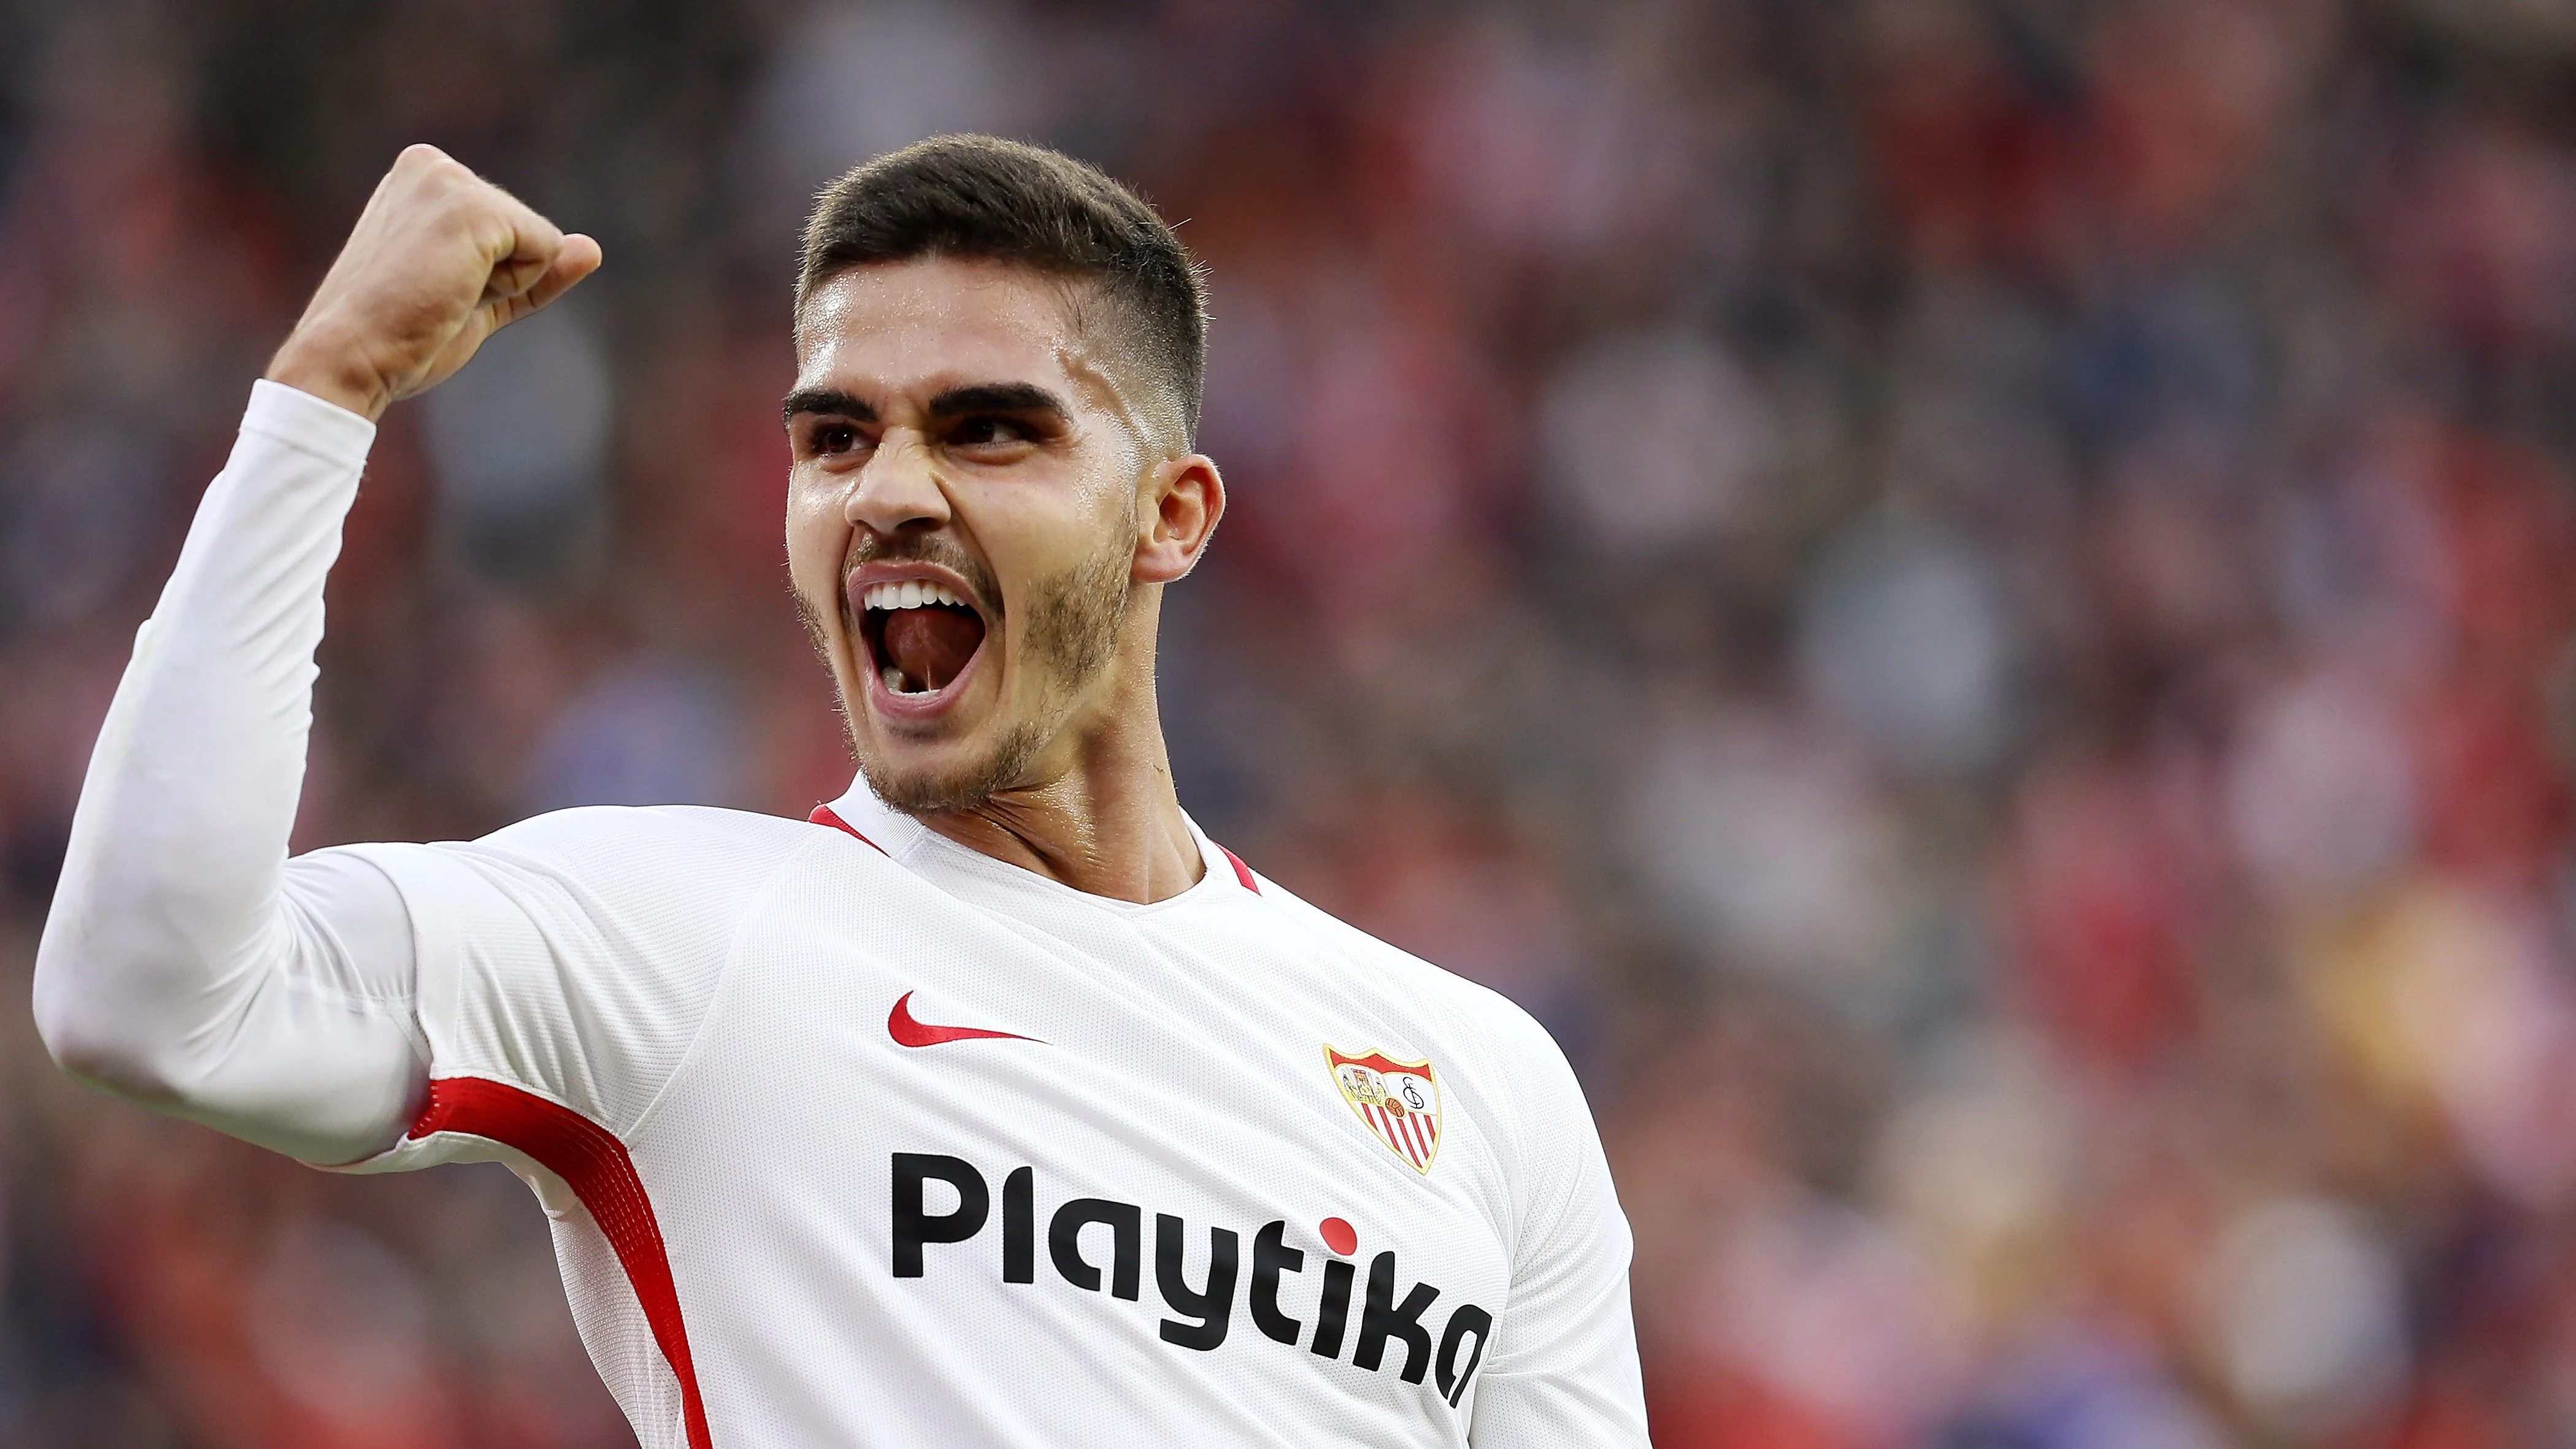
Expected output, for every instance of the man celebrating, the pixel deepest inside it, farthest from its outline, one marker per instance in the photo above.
(994, 1105)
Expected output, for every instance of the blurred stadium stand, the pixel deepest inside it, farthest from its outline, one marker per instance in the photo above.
(1972, 599)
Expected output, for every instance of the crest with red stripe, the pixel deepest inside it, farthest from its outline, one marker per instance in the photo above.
(1398, 1101)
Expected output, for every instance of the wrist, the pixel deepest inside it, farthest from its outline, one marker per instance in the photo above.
(336, 371)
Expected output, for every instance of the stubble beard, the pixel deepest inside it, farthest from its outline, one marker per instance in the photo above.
(1074, 619)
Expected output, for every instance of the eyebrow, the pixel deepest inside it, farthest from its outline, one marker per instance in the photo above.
(825, 400)
(997, 397)
(982, 397)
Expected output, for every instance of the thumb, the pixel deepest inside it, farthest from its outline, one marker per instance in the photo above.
(578, 257)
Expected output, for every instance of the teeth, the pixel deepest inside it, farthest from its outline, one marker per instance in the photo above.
(911, 594)
(908, 594)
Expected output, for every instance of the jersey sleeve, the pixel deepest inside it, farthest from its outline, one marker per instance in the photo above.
(573, 956)
(1564, 1366)
(186, 963)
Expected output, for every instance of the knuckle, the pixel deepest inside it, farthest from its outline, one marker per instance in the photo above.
(469, 198)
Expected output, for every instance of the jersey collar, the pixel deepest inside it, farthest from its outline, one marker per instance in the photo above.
(861, 813)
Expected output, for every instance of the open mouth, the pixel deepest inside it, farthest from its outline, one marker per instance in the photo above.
(920, 636)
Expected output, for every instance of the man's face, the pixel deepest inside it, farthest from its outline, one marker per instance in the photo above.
(962, 519)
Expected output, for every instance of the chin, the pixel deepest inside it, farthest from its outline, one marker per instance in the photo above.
(965, 778)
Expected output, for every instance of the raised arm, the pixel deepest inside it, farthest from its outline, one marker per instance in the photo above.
(187, 963)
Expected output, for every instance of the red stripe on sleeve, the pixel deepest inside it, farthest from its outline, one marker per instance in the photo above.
(594, 1164)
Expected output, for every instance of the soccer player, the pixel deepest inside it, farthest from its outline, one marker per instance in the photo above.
(996, 1104)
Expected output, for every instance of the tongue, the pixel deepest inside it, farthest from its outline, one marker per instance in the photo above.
(932, 644)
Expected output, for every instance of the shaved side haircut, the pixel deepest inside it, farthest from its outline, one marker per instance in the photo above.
(984, 198)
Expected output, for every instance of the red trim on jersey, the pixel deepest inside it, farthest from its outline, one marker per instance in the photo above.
(826, 815)
(594, 1164)
(1242, 872)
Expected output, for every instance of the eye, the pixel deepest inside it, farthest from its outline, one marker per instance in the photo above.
(987, 430)
(829, 438)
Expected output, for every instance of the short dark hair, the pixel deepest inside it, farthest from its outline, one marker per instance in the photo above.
(1007, 201)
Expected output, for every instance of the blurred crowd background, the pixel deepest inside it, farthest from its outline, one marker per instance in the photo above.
(1971, 599)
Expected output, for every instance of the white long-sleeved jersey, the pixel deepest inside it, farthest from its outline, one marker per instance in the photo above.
(849, 1134)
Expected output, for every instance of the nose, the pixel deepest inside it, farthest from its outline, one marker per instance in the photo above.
(898, 489)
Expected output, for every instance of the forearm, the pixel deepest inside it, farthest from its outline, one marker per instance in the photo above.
(178, 966)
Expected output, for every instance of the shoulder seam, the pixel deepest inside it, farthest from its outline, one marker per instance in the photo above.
(1528, 1207)
(707, 1009)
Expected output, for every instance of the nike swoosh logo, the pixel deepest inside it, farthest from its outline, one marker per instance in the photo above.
(911, 1033)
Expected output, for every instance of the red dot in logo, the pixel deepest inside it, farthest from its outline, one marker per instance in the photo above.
(1340, 1236)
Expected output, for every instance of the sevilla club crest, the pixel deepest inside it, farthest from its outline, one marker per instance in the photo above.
(1398, 1101)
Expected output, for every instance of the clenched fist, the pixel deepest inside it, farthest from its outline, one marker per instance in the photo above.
(439, 260)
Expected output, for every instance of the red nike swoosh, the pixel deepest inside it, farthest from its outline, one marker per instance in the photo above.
(911, 1033)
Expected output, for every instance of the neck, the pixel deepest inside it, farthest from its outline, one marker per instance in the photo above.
(1103, 818)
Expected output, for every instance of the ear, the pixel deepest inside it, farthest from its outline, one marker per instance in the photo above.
(1182, 500)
